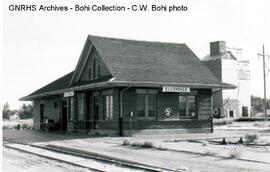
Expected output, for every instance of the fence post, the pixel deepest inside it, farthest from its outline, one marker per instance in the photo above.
(120, 126)
(211, 124)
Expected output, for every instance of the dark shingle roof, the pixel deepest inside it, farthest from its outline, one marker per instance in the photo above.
(59, 84)
(141, 61)
(130, 60)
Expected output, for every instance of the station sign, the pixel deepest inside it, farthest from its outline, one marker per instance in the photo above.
(176, 89)
(69, 94)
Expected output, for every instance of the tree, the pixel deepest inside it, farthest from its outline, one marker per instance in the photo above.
(26, 111)
(257, 104)
(6, 111)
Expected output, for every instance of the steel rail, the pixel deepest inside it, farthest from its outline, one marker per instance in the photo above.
(104, 159)
(48, 157)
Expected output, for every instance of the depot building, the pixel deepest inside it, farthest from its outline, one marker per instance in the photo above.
(120, 86)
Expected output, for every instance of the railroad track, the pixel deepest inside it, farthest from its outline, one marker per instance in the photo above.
(102, 160)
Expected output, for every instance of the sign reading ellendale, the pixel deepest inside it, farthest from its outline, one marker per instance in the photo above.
(176, 89)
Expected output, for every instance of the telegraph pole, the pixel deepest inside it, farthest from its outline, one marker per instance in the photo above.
(264, 84)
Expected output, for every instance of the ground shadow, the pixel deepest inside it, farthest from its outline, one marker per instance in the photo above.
(36, 136)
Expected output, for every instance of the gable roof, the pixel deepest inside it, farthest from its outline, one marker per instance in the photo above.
(137, 62)
(143, 61)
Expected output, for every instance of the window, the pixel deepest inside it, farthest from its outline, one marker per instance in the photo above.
(108, 107)
(94, 67)
(89, 72)
(192, 106)
(141, 105)
(81, 107)
(41, 108)
(151, 105)
(72, 115)
(99, 70)
(182, 106)
(187, 106)
(55, 105)
(146, 103)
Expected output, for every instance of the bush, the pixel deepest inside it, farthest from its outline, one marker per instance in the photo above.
(223, 121)
(24, 124)
(6, 127)
(204, 143)
(135, 144)
(145, 144)
(209, 152)
(251, 138)
(160, 147)
(125, 143)
(235, 153)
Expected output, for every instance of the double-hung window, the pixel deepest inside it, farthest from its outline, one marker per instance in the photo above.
(108, 107)
(81, 108)
(187, 106)
(146, 103)
(72, 115)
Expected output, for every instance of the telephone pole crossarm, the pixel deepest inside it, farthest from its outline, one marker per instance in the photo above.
(259, 54)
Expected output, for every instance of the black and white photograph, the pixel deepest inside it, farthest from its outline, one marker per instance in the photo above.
(135, 86)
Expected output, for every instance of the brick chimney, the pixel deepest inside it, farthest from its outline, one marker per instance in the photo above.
(217, 47)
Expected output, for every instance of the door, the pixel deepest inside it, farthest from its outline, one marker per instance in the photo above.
(64, 115)
(41, 108)
(244, 111)
(88, 111)
(96, 111)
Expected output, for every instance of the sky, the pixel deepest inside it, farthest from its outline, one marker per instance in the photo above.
(39, 47)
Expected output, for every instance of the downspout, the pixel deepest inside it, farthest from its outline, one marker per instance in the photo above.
(121, 110)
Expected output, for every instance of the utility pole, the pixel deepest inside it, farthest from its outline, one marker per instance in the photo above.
(264, 83)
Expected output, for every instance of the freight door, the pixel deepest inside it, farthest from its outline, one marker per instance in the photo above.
(64, 115)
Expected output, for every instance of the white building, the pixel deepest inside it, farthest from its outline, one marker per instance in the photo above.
(229, 67)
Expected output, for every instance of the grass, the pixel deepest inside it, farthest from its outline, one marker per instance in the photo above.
(145, 144)
(251, 137)
(223, 121)
(204, 143)
(125, 143)
(262, 124)
(235, 153)
(209, 152)
(19, 124)
(160, 147)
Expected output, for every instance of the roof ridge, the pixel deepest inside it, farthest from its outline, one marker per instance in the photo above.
(135, 40)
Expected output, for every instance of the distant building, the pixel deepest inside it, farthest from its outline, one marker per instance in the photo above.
(14, 117)
(229, 68)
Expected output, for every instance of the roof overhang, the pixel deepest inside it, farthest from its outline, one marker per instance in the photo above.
(92, 86)
(160, 84)
(110, 84)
